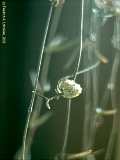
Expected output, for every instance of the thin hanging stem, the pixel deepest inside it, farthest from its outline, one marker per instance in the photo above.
(75, 76)
(53, 28)
(30, 109)
(81, 40)
(66, 128)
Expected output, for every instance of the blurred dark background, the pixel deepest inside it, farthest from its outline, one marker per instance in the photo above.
(25, 22)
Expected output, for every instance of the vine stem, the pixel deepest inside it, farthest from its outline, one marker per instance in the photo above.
(66, 128)
(75, 76)
(81, 39)
(30, 109)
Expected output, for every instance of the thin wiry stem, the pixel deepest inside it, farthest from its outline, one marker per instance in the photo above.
(81, 40)
(69, 101)
(66, 129)
(52, 32)
(30, 109)
(75, 76)
(36, 122)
